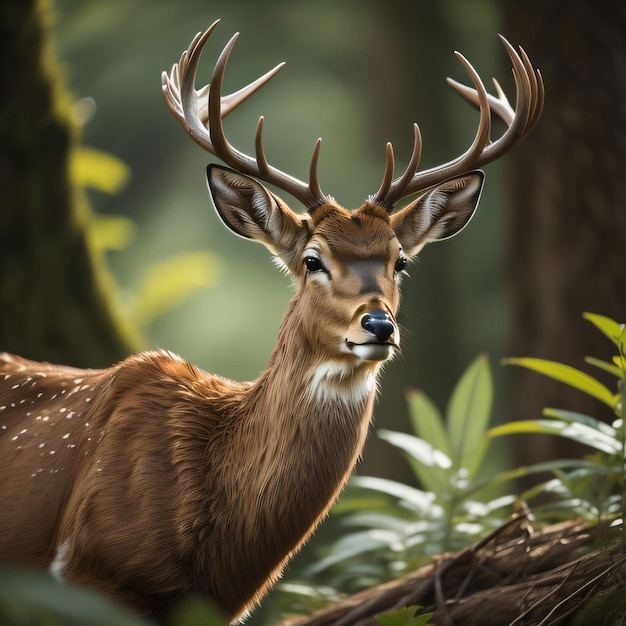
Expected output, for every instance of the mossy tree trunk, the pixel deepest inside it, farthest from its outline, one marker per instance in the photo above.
(57, 296)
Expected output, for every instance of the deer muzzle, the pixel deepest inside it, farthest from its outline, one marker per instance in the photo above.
(377, 338)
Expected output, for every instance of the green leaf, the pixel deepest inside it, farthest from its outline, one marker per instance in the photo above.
(615, 370)
(111, 232)
(468, 416)
(574, 431)
(404, 617)
(427, 421)
(607, 326)
(568, 375)
(580, 418)
(416, 499)
(98, 170)
(356, 544)
(432, 467)
(528, 470)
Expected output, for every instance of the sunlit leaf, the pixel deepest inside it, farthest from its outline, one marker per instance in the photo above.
(371, 519)
(316, 592)
(416, 499)
(576, 432)
(111, 232)
(356, 544)
(98, 170)
(610, 328)
(427, 421)
(580, 418)
(432, 467)
(468, 416)
(568, 375)
(526, 470)
(616, 369)
(167, 283)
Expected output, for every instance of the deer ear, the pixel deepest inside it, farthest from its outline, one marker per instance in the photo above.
(250, 210)
(440, 213)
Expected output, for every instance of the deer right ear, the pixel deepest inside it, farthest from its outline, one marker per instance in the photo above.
(250, 210)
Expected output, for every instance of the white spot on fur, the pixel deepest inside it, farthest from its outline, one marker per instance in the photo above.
(59, 563)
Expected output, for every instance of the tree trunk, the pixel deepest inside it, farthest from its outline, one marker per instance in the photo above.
(56, 291)
(567, 183)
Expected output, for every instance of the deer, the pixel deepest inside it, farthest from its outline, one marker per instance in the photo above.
(152, 479)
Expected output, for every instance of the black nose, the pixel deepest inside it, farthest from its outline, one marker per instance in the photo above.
(379, 324)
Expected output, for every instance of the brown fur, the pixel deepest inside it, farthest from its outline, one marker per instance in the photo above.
(152, 479)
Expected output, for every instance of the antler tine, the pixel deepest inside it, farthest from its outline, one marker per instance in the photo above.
(385, 185)
(385, 195)
(528, 105)
(201, 113)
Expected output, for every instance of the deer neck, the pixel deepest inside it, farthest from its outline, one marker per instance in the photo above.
(303, 388)
(306, 422)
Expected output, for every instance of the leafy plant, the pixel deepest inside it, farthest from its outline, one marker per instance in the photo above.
(594, 489)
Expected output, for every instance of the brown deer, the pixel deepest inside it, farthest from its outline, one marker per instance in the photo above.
(153, 479)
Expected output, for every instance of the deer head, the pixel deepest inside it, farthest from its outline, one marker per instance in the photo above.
(347, 264)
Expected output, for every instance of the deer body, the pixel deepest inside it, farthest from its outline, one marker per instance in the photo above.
(222, 473)
(153, 479)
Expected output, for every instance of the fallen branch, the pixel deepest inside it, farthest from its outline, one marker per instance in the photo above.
(516, 576)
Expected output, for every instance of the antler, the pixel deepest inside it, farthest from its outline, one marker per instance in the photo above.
(528, 106)
(200, 112)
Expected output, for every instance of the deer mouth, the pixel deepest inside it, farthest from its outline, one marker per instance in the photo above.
(374, 351)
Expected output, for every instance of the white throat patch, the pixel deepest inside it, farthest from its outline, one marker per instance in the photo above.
(337, 381)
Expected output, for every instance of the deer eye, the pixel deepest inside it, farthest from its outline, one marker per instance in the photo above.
(313, 264)
(400, 264)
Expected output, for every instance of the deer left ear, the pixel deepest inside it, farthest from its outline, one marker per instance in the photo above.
(440, 213)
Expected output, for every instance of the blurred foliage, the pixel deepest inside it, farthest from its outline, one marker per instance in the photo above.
(405, 617)
(34, 598)
(29, 598)
(98, 170)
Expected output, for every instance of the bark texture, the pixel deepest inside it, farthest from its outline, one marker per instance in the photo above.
(567, 190)
(57, 297)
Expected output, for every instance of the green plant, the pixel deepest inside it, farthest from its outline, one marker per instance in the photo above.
(594, 489)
